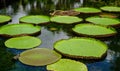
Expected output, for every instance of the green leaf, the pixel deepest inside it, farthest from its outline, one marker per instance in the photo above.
(93, 30)
(12, 30)
(4, 19)
(103, 21)
(67, 65)
(87, 10)
(66, 19)
(23, 42)
(110, 8)
(35, 19)
(39, 57)
(86, 48)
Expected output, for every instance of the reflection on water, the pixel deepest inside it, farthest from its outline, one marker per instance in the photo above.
(6, 62)
(19, 8)
(22, 67)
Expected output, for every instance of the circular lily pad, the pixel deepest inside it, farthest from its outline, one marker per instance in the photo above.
(35, 19)
(39, 57)
(85, 48)
(66, 19)
(87, 10)
(93, 30)
(103, 21)
(23, 42)
(67, 65)
(4, 19)
(12, 30)
(110, 8)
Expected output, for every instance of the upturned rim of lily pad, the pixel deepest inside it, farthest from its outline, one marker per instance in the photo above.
(4, 19)
(89, 32)
(37, 30)
(78, 53)
(103, 21)
(35, 19)
(88, 10)
(39, 57)
(67, 20)
(67, 65)
(110, 9)
(23, 42)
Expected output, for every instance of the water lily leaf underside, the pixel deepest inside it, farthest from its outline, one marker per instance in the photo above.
(39, 57)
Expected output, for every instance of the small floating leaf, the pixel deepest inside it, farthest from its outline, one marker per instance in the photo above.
(35, 19)
(87, 10)
(110, 8)
(4, 19)
(86, 48)
(23, 42)
(66, 19)
(108, 15)
(103, 21)
(93, 30)
(39, 57)
(53, 29)
(12, 30)
(67, 65)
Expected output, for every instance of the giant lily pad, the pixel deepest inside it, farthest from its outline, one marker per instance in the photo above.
(12, 30)
(67, 65)
(35, 19)
(93, 30)
(110, 8)
(86, 48)
(39, 57)
(103, 21)
(4, 19)
(23, 42)
(87, 10)
(66, 19)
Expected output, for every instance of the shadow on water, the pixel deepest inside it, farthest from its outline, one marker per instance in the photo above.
(53, 32)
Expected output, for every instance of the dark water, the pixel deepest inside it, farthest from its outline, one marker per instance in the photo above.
(19, 8)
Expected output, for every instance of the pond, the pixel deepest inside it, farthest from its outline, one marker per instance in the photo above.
(53, 32)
